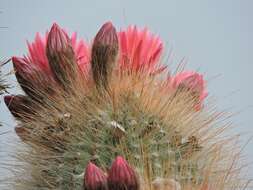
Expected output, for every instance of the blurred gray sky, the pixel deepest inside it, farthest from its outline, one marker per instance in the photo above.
(215, 36)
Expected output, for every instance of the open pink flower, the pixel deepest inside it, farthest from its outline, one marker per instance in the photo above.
(191, 81)
(139, 49)
(82, 52)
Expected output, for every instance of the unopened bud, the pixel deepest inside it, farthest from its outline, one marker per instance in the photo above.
(122, 176)
(94, 178)
(19, 106)
(61, 56)
(104, 53)
(24, 79)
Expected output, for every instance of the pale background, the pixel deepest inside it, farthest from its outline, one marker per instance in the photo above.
(215, 36)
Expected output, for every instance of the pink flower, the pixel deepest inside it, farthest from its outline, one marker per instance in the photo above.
(139, 49)
(192, 81)
(121, 176)
(37, 54)
(94, 178)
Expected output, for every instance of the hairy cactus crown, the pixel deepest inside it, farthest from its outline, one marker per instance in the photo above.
(86, 104)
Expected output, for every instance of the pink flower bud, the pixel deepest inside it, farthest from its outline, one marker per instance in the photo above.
(192, 81)
(61, 56)
(22, 72)
(94, 178)
(19, 106)
(106, 36)
(58, 40)
(122, 176)
(32, 79)
(104, 53)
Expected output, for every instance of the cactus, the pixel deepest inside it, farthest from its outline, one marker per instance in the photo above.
(108, 116)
